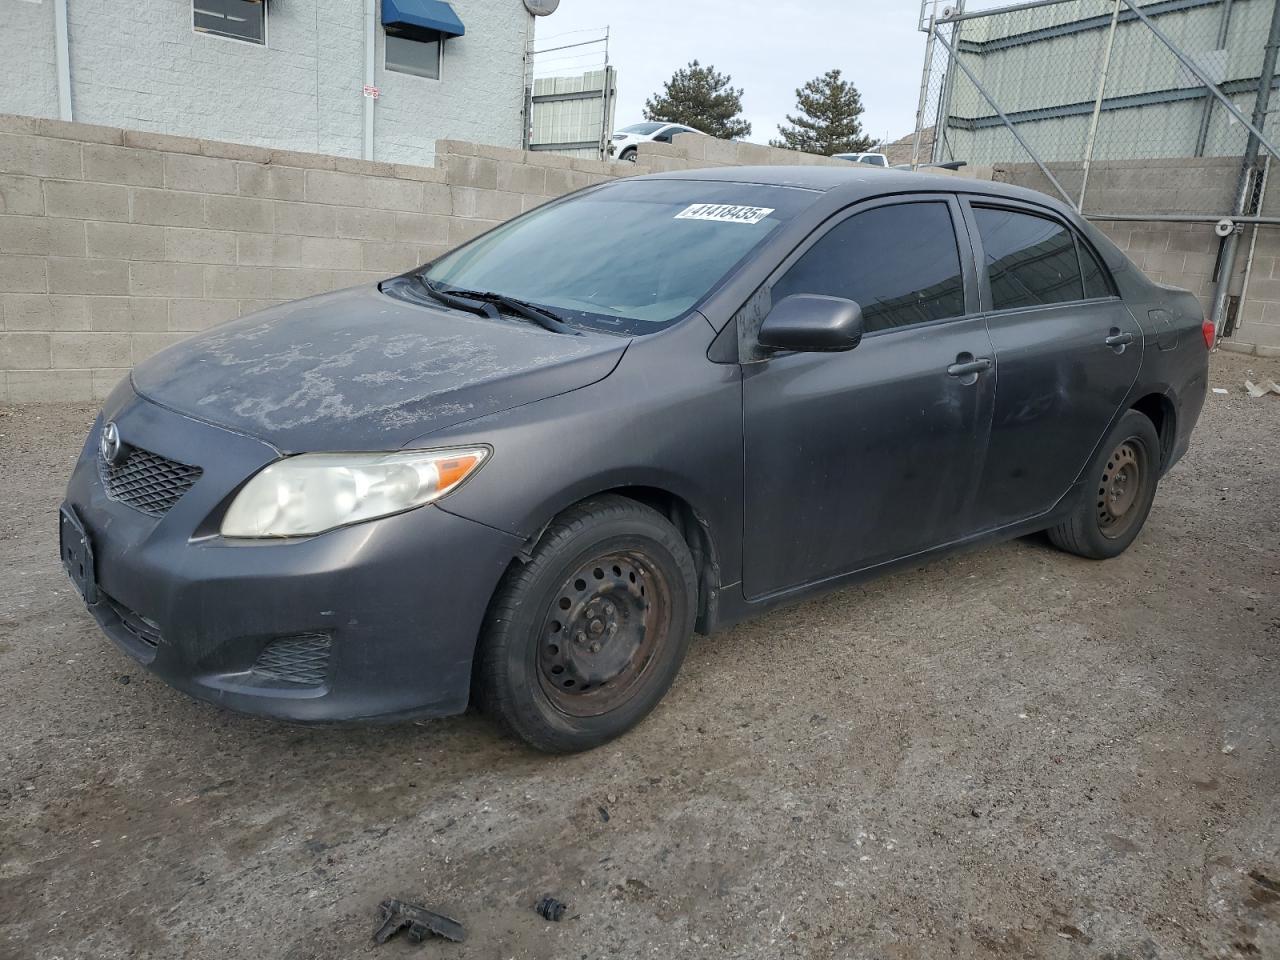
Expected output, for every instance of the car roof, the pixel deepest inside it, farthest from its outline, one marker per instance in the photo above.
(855, 181)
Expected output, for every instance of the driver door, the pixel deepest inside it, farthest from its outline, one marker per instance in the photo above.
(858, 458)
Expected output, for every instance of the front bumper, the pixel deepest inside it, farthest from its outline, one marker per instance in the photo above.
(377, 620)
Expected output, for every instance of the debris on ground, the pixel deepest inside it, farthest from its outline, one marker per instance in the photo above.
(549, 908)
(396, 915)
(1256, 390)
(604, 814)
(1221, 391)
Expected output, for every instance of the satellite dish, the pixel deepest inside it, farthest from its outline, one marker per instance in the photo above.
(541, 8)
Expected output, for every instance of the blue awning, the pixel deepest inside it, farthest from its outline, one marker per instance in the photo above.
(411, 15)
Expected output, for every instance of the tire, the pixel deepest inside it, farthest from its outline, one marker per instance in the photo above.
(582, 641)
(1119, 490)
(629, 156)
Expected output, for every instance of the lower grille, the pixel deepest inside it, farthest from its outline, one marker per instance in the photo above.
(147, 481)
(303, 660)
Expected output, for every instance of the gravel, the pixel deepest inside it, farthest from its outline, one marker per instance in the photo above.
(1010, 752)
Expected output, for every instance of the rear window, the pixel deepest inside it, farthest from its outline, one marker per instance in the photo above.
(1031, 261)
(631, 256)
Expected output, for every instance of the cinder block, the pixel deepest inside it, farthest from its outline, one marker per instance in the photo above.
(437, 199)
(199, 174)
(692, 146)
(88, 276)
(143, 345)
(720, 151)
(193, 315)
(24, 351)
(166, 280)
(295, 284)
(342, 279)
(38, 311)
(460, 147)
(166, 207)
(421, 228)
(462, 229)
(41, 386)
(306, 161)
(235, 151)
(389, 258)
(329, 253)
(23, 275)
(502, 154)
(330, 186)
(304, 219)
(543, 158)
(269, 182)
(40, 157)
(395, 194)
(163, 142)
(1174, 263)
(425, 174)
(12, 123)
(358, 224)
(1196, 263)
(248, 214)
(587, 165)
(86, 201)
(125, 241)
(73, 351)
(479, 172)
(42, 236)
(560, 182)
(199, 246)
(528, 203)
(1148, 241)
(239, 283)
(256, 306)
(432, 251)
(110, 164)
(127, 314)
(106, 380)
(266, 250)
(21, 196)
(1230, 346)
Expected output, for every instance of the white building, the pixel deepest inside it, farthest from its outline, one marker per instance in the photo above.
(380, 79)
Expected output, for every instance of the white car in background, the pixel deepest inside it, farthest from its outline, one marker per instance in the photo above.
(871, 159)
(626, 140)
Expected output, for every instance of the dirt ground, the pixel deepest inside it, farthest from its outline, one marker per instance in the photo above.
(1010, 753)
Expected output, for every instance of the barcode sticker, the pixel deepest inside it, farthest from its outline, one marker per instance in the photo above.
(724, 213)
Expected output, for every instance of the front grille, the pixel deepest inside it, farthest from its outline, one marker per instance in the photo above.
(147, 481)
(303, 660)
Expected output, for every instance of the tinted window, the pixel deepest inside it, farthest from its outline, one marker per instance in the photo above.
(643, 129)
(239, 19)
(1030, 260)
(1096, 282)
(419, 55)
(900, 263)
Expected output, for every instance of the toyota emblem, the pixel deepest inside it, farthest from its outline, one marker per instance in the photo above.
(109, 445)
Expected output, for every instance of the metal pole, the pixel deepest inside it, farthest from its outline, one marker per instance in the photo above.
(1178, 218)
(940, 139)
(1204, 78)
(62, 56)
(1248, 170)
(1224, 25)
(370, 45)
(924, 88)
(1097, 106)
(1253, 244)
(1007, 122)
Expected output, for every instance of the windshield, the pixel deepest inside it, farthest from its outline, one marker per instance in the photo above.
(642, 128)
(630, 256)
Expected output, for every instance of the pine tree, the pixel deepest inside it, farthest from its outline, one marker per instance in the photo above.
(828, 122)
(698, 97)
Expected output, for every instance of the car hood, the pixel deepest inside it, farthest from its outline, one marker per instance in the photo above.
(361, 370)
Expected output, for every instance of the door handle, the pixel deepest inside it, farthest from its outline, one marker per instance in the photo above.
(968, 368)
(1118, 339)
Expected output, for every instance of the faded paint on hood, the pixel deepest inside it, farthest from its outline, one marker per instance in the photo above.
(360, 370)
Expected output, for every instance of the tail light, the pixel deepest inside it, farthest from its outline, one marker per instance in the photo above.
(1209, 333)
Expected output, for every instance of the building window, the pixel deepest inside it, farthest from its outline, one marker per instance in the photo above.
(238, 19)
(419, 54)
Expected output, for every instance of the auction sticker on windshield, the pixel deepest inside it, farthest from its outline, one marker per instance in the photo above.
(724, 213)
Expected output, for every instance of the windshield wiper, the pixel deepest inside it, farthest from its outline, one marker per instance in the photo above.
(461, 303)
(539, 315)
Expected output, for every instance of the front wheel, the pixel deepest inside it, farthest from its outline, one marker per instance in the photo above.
(1120, 486)
(586, 638)
(629, 156)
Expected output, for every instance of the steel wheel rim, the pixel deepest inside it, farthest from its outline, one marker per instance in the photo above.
(1120, 488)
(602, 632)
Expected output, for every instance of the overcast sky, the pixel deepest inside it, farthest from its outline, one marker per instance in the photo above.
(769, 48)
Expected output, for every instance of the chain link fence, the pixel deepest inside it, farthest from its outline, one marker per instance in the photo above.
(570, 94)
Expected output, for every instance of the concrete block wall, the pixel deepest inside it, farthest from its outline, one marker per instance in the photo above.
(117, 243)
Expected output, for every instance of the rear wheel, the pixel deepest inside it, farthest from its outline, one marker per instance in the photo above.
(1120, 487)
(586, 638)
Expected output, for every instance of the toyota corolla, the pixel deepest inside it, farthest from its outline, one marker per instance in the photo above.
(524, 475)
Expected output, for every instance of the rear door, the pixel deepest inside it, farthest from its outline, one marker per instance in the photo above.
(857, 458)
(1068, 352)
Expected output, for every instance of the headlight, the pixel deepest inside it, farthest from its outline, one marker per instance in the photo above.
(316, 492)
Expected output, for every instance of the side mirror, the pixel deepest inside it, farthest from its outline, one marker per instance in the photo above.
(810, 323)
